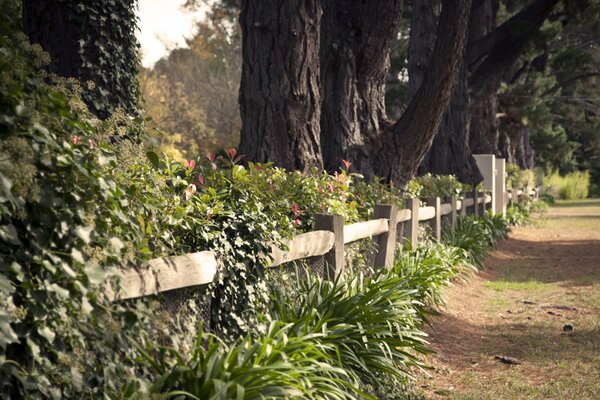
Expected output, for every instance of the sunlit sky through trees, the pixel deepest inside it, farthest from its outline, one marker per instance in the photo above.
(163, 26)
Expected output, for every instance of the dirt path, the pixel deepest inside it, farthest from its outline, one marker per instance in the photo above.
(535, 284)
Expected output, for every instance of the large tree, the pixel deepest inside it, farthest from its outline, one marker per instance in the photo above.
(354, 46)
(279, 93)
(90, 41)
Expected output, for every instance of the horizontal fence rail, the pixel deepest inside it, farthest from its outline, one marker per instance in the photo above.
(327, 240)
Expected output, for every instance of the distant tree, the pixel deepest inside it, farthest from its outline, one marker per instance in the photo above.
(192, 94)
(90, 41)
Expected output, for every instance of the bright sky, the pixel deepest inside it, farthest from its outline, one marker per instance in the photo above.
(163, 26)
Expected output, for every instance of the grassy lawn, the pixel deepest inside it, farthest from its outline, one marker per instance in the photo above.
(542, 278)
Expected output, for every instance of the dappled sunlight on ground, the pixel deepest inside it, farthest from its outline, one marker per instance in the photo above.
(543, 277)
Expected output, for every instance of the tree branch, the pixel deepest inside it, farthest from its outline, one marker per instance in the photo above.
(403, 147)
(516, 29)
(572, 79)
(502, 47)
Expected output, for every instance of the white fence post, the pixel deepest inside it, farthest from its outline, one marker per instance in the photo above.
(500, 186)
(487, 167)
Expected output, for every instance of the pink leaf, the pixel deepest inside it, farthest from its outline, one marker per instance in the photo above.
(231, 153)
(190, 164)
(347, 164)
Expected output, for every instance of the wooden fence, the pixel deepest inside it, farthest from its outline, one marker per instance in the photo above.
(328, 239)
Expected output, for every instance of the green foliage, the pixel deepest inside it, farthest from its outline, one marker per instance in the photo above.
(274, 365)
(572, 186)
(519, 178)
(517, 215)
(429, 269)
(371, 323)
(477, 236)
(429, 185)
(68, 218)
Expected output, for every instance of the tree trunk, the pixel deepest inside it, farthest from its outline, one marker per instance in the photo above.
(449, 152)
(90, 41)
(492, 53)
(355, 46)
(483, 125)
(279, 93)
(402, 148)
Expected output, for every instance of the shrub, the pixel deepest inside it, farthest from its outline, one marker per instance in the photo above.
(430, 268)
(275, 365)
(477, 236)
(65, 224)
(438, 185)
(519, 178)
(572, 186)
(372, 324)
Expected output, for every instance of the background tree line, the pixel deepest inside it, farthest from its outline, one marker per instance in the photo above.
(387, 87)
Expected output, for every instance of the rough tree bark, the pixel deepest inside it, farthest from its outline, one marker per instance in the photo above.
(279, 93)
(355, 44)
(91, 42)
(356, 40)
(402, 148)
(450, 152)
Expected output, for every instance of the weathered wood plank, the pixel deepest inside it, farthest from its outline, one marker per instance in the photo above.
(166, 273)
(446, 208)
(386, 242)
(426, 213)
(334, 258)
(436, 221)
(411, 227)
(453, 207)
(404, 215)
(310, 244)
(468, 202)
(362, 230)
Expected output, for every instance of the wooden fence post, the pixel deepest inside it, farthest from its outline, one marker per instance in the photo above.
(475, 195)
(411, 228)
(435, 222)
(453, 203)
(509, 194)
(334, 259)
(463, 206)
(386, 242)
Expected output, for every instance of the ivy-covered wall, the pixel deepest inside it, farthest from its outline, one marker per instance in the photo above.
(93, 41)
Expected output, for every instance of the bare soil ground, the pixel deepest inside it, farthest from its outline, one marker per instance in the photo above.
(535, 285)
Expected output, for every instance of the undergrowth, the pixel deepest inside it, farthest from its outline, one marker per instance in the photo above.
(81, 198)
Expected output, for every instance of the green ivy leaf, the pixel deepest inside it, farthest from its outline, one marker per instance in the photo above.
(84, 233)
(5, 285)
(47, 334)
(9, 234)
(154, 159)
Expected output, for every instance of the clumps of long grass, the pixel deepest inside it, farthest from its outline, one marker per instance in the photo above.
(372, 323)
(277, 364)
(430, 269)
(477, 236)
